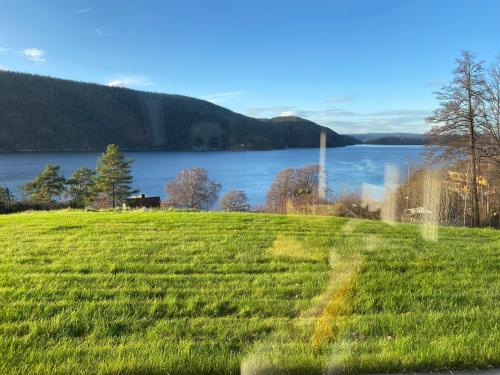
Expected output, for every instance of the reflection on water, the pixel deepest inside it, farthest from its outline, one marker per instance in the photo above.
(347, 168)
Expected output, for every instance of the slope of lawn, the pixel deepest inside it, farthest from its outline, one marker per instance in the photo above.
(173, 293)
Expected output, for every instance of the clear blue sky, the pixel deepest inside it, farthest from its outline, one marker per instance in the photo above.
(355, 66)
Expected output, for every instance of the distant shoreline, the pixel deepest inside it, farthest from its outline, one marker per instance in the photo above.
(199, 151)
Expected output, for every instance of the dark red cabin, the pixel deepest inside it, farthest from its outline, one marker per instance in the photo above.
(143, 202)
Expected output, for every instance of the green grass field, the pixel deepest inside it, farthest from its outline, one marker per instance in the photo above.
(173, 293)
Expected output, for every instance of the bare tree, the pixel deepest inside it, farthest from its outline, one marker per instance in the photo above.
(235, 200)
(193, 189)
(459, 119)
(296, 187)
(490, 145)
(280, 191)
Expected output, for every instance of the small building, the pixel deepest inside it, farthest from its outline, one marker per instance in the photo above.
(416, 215)
(143, 202)
(495, 220)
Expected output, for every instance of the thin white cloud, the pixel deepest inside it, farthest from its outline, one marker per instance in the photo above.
(102, 32)
(340, 99)
(398, 113)
(34, 54)
(3, 51)
(348, 121)
(84, 10)
(222, 96)
(3, 68)
(268, 111)
(130, 81)
(295, 111)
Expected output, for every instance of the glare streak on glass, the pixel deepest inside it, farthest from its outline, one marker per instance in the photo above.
(391, 183)
(322, 173)
(432, 204)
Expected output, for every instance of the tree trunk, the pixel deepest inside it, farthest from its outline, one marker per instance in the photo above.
(473, 184)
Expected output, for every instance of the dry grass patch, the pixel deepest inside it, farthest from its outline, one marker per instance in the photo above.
(289, 248)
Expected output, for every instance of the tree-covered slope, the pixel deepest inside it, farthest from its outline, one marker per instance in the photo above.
(49, 114)
(396, 141)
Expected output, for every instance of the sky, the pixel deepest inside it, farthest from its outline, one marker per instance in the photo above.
(354, 66)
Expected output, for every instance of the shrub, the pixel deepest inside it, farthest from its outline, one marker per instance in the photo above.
(294, 190)
(235, 200)
(193, 189)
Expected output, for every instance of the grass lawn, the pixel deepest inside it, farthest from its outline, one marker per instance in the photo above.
(160, 293)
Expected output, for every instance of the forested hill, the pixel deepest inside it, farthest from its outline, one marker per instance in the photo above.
(48, 114)
(392, 138)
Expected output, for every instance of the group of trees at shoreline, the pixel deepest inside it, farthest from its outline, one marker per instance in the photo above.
(109, 185)
(106, 186)
(193, 189)
(292, 189)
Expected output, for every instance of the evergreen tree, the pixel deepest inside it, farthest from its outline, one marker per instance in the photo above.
(46, 186)
(114, 176)
(82, 187)
(6, 198)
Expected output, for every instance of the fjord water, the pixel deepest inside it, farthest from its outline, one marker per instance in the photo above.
(252, 171)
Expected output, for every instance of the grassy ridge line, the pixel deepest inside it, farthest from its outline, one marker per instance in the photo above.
(205, 292)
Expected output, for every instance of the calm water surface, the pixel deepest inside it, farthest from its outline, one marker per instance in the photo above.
(252, 171)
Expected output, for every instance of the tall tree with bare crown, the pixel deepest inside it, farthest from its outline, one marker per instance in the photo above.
(459, 119)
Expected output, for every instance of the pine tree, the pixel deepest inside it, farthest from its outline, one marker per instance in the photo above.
(82, 187)
(114, 176)
(46, 186)
(6, 198)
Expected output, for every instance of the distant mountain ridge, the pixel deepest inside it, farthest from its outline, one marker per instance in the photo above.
(49, 114)
(391, 138)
